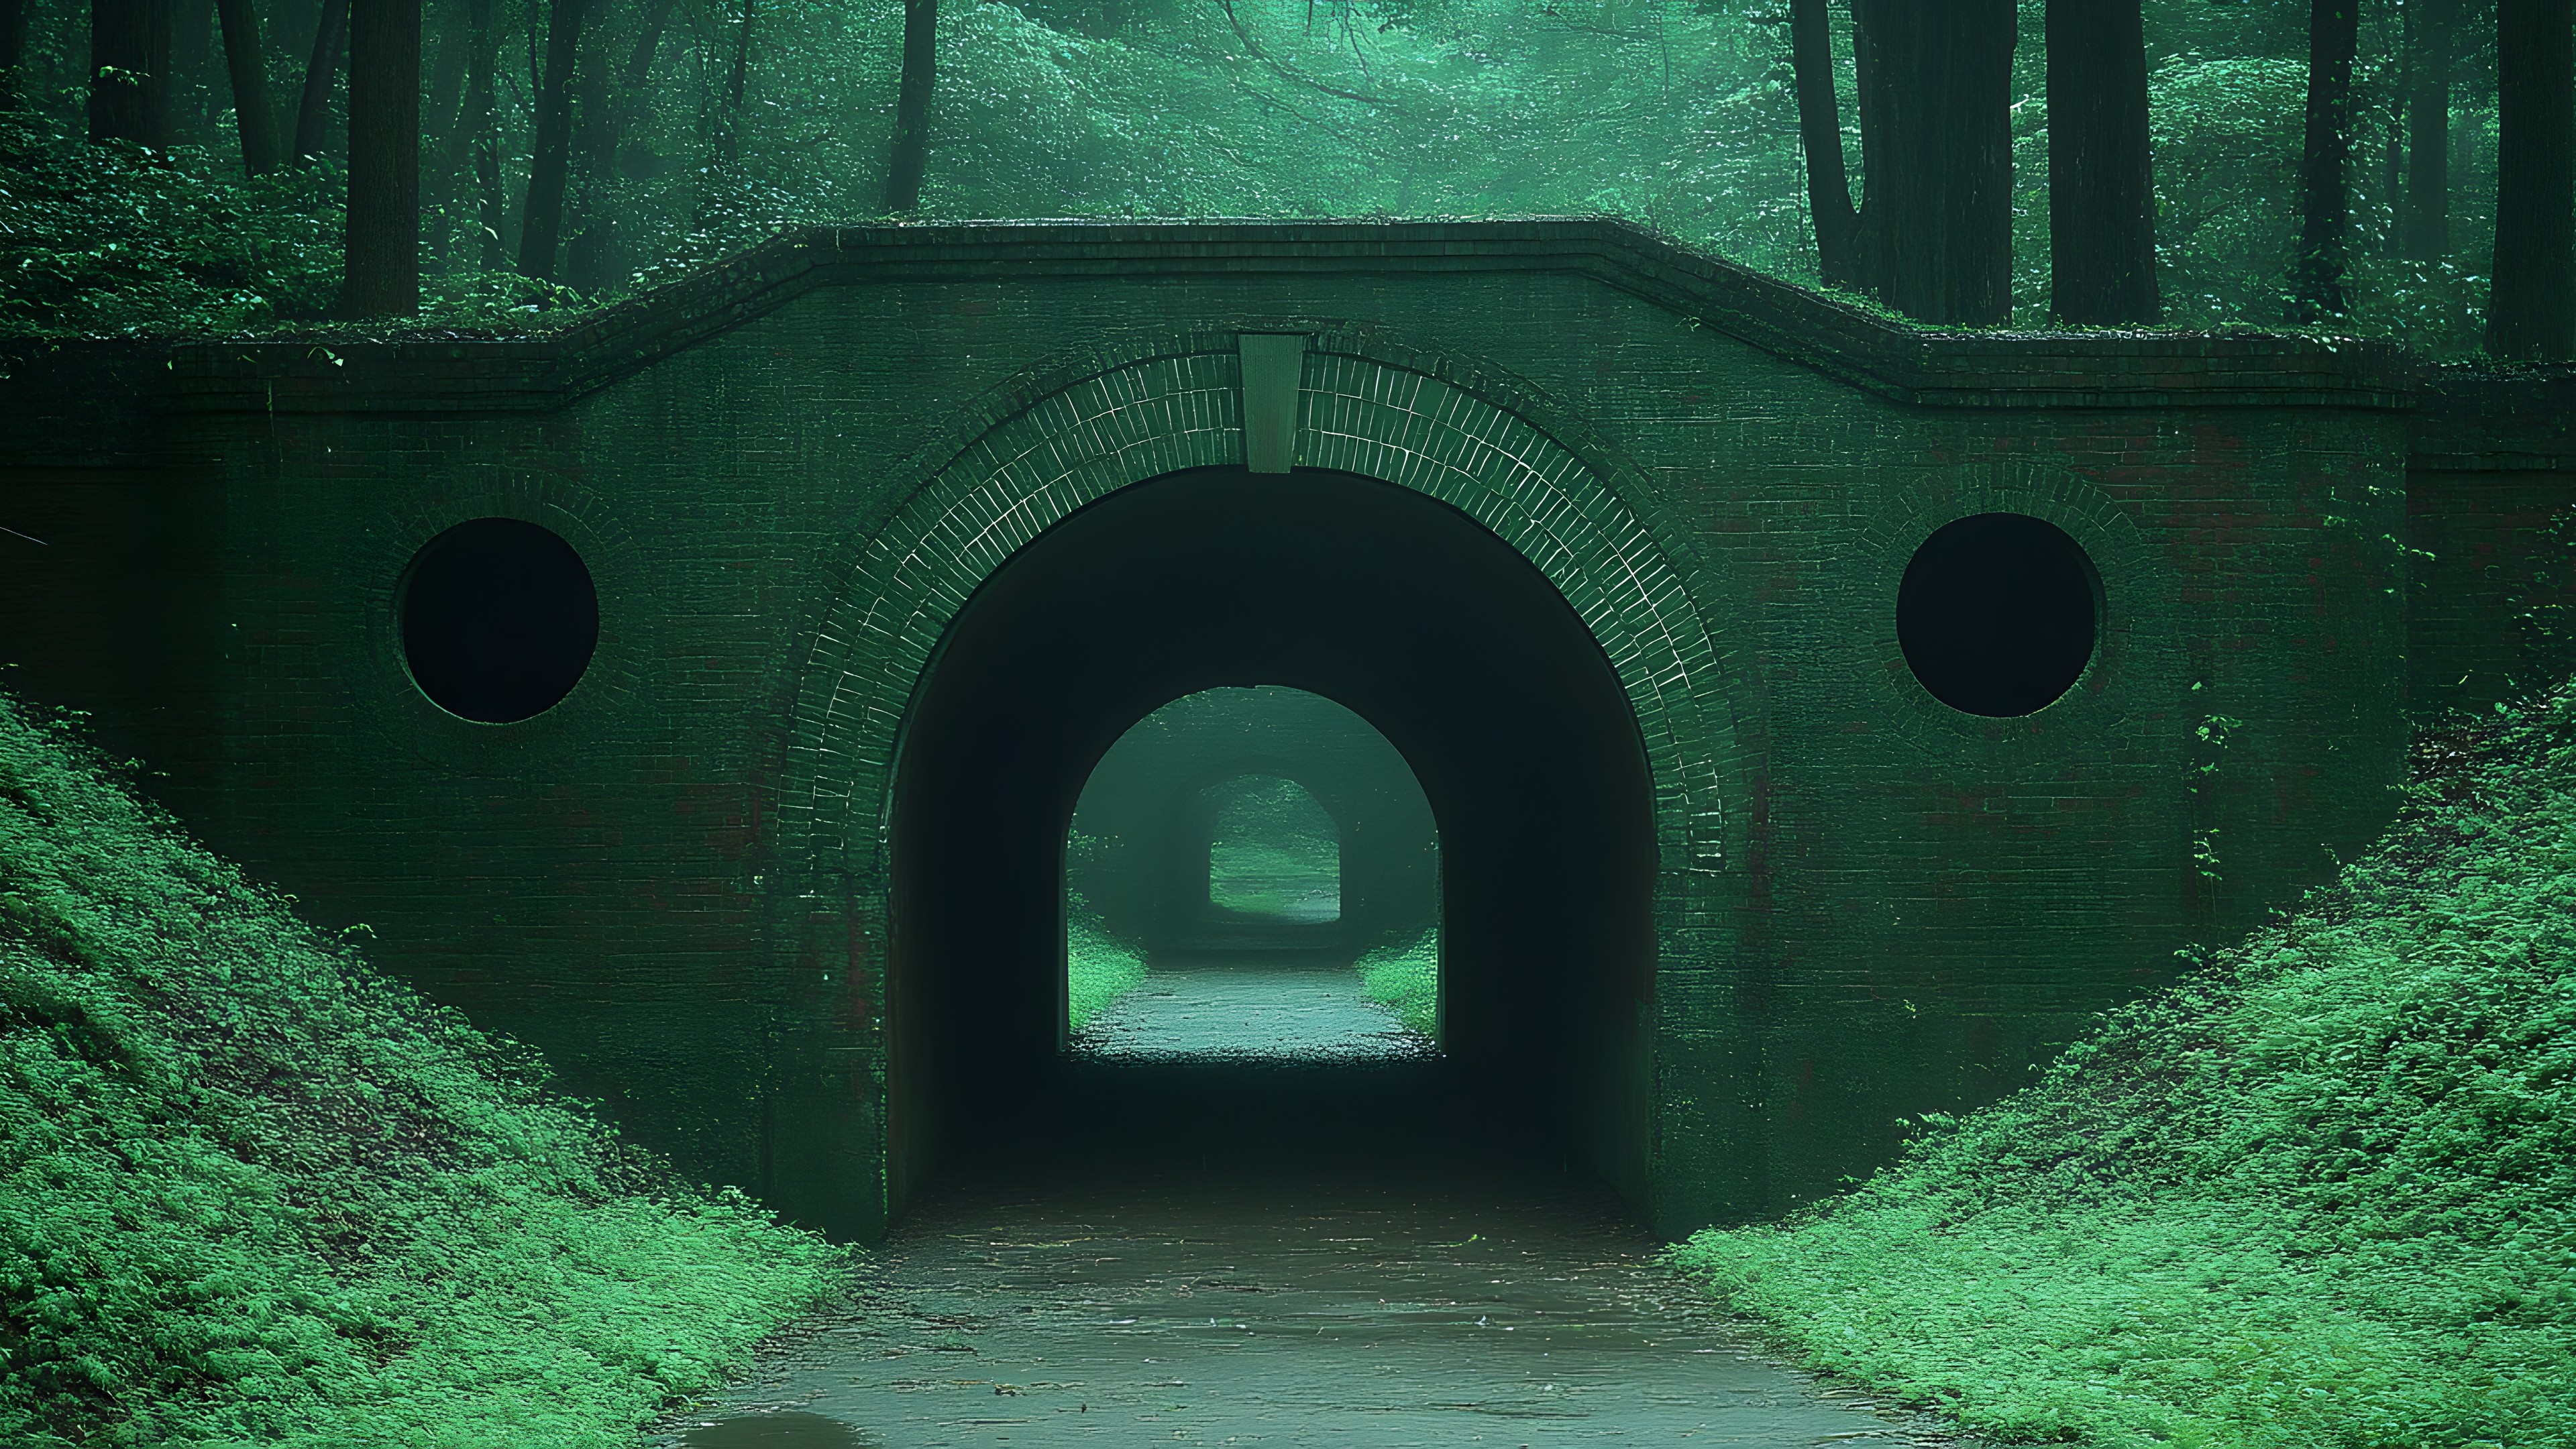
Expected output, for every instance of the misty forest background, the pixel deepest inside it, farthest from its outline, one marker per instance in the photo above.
(192, 166)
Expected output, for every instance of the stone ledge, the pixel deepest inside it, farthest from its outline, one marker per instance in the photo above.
(1932, 368)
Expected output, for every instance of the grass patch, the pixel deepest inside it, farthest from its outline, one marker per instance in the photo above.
(1406, 979)
(2322, 1194)
(254, 1193)
(1098, 967)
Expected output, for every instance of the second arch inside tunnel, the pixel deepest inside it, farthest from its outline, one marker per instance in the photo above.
(1252, 873)
(1449, 648)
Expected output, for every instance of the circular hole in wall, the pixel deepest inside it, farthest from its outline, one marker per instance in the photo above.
(1998, 613)
(499, 619)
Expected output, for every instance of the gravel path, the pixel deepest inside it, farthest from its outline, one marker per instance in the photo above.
(1211, 1013)
(1211, 1311)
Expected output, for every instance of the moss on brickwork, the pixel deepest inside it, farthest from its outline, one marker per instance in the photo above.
(787, 475)
(2323, 1195)
(253, 1193)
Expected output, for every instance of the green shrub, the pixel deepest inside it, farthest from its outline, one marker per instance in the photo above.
(2324, 1194)
(1099, 968)
(252, 1192)
(1406, 978)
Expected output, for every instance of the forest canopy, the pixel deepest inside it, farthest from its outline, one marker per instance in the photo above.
(571, 152)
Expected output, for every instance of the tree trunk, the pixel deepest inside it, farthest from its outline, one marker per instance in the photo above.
(584, 251)
(912, 105)
(1820, 134)
(732, 138)
(2431, 27)
(587, 261)
(2325, 198)
(443, 137)
(14, 17)
(313, 117)
(191, 47)
(1869, 85)
(2392, 180)
(1937, 196)
(492, 204)
(129, 85)
(252, 116)
(2531, 311)
(383, 259)
(543, 223)
(2101, 182)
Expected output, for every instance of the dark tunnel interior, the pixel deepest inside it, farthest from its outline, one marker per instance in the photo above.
(1434, 631)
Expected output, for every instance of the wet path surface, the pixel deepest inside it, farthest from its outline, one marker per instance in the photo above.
(1199, 1311)
(1187, 1012)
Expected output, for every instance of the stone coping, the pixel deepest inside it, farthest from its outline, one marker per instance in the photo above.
(1957, 368)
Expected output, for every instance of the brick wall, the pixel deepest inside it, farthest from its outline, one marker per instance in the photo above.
(786, 476)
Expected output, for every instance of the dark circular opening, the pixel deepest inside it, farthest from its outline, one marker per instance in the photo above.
(1998, 613)
(499, 619)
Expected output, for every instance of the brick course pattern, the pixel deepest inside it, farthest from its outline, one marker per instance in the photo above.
(788, 474)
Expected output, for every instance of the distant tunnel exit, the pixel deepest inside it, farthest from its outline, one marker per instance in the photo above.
(1252, 873)
(1375, 602)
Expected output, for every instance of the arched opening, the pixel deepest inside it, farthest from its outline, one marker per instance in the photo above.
(1414, 617)
(1252, 875)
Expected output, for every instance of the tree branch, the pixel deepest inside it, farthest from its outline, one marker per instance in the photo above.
(1288, 73)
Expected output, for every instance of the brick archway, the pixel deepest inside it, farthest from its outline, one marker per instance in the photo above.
(1485, 446)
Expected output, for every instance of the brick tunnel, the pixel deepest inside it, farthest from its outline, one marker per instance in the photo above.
(1394, 604)
(872, 541)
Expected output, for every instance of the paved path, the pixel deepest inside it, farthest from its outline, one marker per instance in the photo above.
(1236, 1012)
(1208, 1311)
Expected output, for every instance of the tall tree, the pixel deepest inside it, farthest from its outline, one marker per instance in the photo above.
(248, 68)
(444, 136)
(383, 257)
(14, 18)
(2531, 309)
(2325, 198)
(1936, 155)
(610, 111)
(313, 116)
(129, 83)
(542, 225)
(492, 204)
(912, 105)
(2101, 182)
(191, 99)
(2431, 50)
(732, 138)
(1820, 136)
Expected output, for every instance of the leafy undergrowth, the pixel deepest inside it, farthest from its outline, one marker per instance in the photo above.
(114, 240)
(253, 1193)
(1406, 979)
(2323, 1194)
(1099, 968)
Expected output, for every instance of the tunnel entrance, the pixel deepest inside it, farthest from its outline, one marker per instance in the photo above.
(1390, 604)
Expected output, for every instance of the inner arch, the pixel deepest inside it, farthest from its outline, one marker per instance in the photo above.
(1397, 606)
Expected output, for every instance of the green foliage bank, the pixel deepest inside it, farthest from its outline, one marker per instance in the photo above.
(1405, 979)
(2324, 1195)
(253, 1193)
